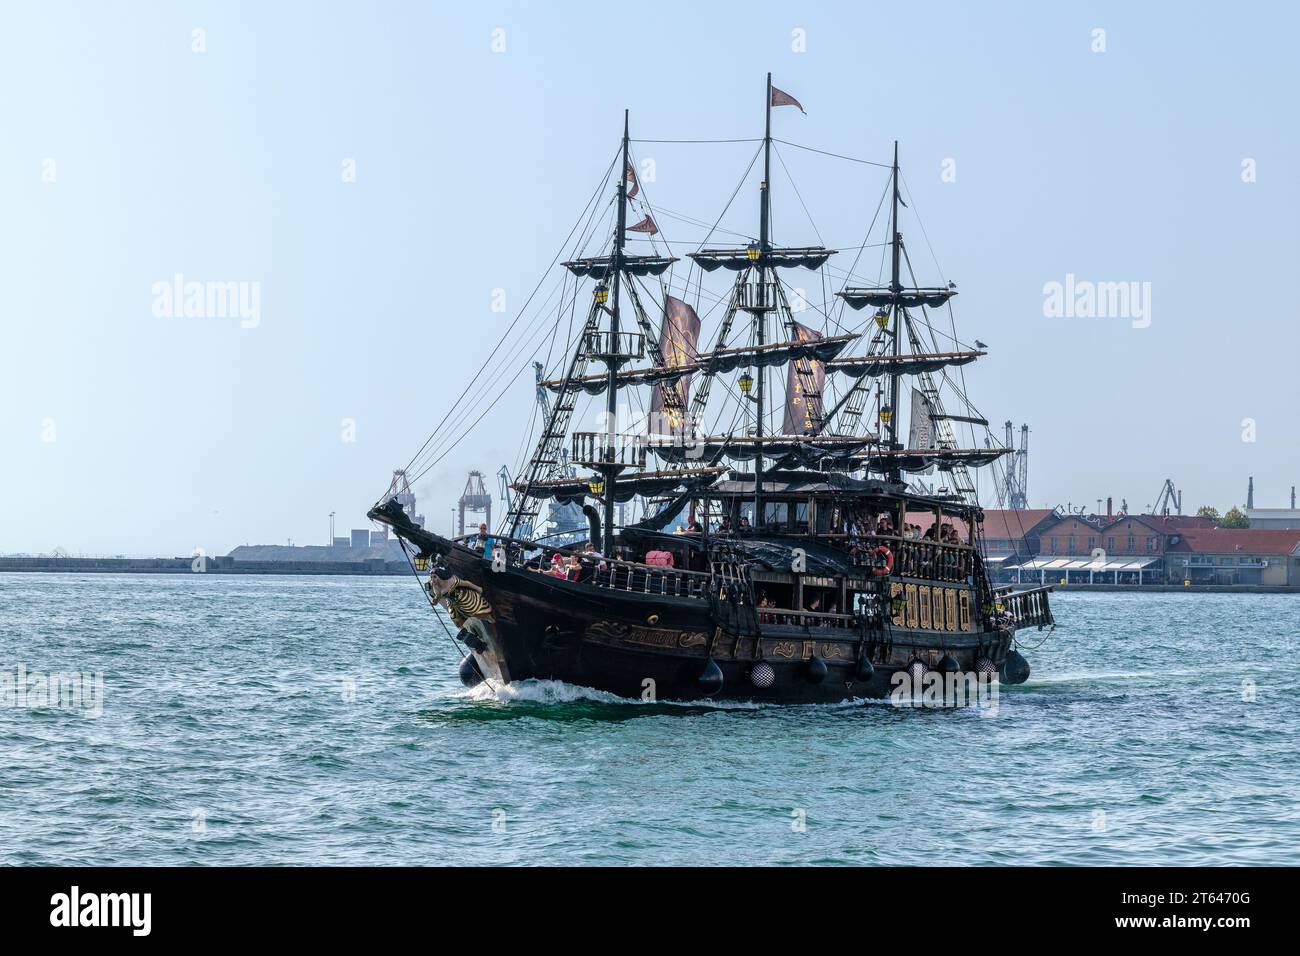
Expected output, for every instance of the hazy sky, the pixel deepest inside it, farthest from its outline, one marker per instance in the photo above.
(129, 158)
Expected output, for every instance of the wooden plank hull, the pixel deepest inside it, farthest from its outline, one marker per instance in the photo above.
(645, 646)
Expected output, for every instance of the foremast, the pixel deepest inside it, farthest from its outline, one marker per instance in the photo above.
(760, 316)
(893, 317)
(612, 355)
(896, 287)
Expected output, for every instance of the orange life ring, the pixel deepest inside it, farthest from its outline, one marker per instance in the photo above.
(883, 560)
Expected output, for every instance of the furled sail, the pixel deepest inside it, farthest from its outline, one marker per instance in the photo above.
(598, 267)
(879, 298)
(722, 360)
(877, 365)
(653, 484)
(597, 384)
(807, 257)
(850, 452)
(806, 450)
(920, 460)
(776, 353)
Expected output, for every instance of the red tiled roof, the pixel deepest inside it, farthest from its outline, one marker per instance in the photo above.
(1237, 541)
(1166, 524)
(1185, 521)
(997, 523)
(1013, 524)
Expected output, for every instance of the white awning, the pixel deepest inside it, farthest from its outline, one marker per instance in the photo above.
(1088, 564)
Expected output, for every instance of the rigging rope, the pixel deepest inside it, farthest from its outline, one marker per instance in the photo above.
(851, 159)
(522, 311)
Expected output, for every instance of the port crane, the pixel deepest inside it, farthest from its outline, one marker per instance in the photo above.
(1169, 497)
(1013, 488)
(474, 499)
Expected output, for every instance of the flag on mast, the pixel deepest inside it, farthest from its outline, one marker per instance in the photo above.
(646, 225)
(782, 98)
(630, 175)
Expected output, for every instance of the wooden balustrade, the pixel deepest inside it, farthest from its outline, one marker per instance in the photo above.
(789, 617)
(1028, 608)
(593, 449)
(919, 558)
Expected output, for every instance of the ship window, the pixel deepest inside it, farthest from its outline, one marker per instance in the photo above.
(830, 518)
(801, 516)
(773, 596)
(821, 600)
(776, 513)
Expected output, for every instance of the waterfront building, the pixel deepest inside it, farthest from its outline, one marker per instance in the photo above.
(1265, 557)
(1279, 519)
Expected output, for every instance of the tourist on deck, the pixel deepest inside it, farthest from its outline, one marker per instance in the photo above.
(590, 562)
(557, 568)
(572, 567)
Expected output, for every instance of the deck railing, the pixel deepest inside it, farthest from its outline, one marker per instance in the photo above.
(622, 346)
(919, 558)
(651, 579)
(609, 573)
(757, 297)
(593, 449)
(1028, 608)
(789, 617)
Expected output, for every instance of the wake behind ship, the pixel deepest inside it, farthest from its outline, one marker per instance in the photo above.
(799, 560)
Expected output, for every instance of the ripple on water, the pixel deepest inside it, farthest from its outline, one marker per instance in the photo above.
(304, 720)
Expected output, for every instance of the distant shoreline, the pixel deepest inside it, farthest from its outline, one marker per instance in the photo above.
(211, 565)
(1184, 589)
(377, 567)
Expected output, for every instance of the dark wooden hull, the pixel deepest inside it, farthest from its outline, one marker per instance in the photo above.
(646, 646)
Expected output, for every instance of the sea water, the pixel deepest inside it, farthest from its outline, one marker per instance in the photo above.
(319, 720)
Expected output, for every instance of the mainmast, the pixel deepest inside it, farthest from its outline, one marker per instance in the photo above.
(760, 316)
(611, 391)
(895, 287)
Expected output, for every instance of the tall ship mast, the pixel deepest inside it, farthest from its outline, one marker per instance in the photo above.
(783, 554)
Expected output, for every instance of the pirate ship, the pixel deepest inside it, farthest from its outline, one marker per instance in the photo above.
(801, 562)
